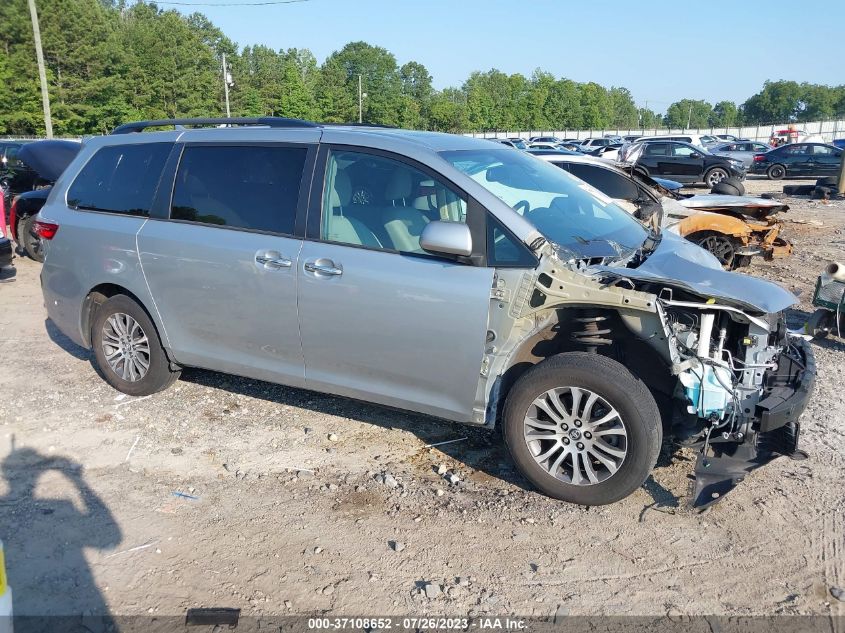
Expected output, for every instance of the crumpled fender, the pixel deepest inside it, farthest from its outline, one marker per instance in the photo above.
(717, 222)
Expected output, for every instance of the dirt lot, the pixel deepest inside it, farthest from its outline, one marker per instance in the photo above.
(303, 503)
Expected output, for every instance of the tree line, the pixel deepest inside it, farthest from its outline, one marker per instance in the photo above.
(110, 62)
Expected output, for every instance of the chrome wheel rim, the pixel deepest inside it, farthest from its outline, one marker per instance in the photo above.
(576, 436)
(720, 247)
(716, 176)
(126, 347)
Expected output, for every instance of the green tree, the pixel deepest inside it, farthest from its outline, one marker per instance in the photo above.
(596, 106)
(724, 114)
(777, 102)
(688, 113)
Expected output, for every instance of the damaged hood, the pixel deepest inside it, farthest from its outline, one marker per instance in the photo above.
(681, 264)
(747, 205)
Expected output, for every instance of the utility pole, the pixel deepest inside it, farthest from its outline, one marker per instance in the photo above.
(227, 77)
(42, 73)
(841, 186)
(689, 116)
(360, 102)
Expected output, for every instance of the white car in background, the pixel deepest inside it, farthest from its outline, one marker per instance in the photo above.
(5, 597)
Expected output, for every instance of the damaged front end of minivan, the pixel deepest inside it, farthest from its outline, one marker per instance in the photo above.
(712, 347)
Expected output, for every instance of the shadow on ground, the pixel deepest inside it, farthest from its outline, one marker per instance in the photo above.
(44, 541)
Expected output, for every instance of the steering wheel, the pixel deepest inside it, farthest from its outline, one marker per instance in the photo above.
(522, 203)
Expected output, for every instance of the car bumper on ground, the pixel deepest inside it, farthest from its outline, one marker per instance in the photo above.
(787, 391)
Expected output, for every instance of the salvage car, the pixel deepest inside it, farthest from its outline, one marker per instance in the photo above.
(424, 271)
(740, 150)
(732, 228)
(797, 160)
(47, 159)
(681, 161)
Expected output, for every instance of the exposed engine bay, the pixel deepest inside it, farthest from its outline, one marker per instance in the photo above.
(733, 379)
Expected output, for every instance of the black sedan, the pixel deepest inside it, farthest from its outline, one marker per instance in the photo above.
(683, 162)
(797, 160)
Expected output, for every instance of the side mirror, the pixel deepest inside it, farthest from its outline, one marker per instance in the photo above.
(447, 238)
(695, 155)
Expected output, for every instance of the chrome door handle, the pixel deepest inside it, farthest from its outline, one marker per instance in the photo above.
(323, 269)
(272, 261)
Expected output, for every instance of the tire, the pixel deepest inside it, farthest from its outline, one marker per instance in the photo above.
(106, 334)
(725, 188)
(29, 240)
(736, 182)
(821, 193)
(832, 182)
(776, 172)
(715, 175)
(616, 390)
(820, 323)
(719, 245)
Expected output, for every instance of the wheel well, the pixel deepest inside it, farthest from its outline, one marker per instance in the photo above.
(96, 297)
(559, 337)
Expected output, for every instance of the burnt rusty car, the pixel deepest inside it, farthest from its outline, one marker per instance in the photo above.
(733, 228)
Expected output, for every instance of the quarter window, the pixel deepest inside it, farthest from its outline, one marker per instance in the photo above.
(247, 187)
(608, 182)
(120, 179)
(382, 203)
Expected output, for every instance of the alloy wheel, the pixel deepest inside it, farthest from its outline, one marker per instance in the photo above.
(721, 247)
(575, 435)
(126, 347)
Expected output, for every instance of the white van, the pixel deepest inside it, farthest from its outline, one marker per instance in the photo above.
(701, 140)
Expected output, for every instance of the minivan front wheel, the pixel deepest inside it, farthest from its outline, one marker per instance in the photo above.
(127, 349)
(582, 428)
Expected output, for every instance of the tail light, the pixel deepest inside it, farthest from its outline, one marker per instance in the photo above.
(13, 219)
(759, 158)
(2, 213)
(46, 230)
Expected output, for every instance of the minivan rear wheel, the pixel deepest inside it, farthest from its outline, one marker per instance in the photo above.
(582, 428)
(127, 349)
(29, 240)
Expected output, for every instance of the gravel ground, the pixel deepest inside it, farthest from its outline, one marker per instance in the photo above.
(303, 503)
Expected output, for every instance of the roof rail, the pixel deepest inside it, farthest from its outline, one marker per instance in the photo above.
(268, 121)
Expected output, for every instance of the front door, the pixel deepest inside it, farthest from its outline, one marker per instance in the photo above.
(380, 318)
(222, 267)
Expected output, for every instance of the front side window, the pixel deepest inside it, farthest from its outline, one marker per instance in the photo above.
(568, 211)
(120, 179)
(247, 187)
(378, 202)
(656, 149)
(684, 151)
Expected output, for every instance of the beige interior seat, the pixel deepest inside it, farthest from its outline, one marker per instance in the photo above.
(403, 223)
(345, 229)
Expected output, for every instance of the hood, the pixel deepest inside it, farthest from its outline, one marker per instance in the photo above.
(49, 158)
(671, 185)
(681, 264)
(747, 205)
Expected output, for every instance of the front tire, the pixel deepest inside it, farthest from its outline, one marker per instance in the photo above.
(127, 349)
(714, 176)
(582, 428)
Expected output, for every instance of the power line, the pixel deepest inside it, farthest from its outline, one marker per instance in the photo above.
(229, 4)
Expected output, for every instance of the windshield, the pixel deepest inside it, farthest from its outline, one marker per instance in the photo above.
(568, 211)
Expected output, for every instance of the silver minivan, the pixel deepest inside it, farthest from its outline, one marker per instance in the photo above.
(429, 272)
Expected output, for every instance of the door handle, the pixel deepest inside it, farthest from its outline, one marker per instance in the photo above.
(272, 260)
(323, 267)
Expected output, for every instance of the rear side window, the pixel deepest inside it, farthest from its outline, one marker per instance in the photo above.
(120, 179)
(247, 187)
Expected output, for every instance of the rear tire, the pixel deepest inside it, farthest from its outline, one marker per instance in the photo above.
(820, 323)
(776, 172)
(736, 182)
(127, 349)
(575, 432)
(29, 240)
